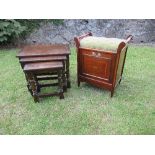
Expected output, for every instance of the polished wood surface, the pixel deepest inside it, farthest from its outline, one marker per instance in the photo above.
(96, 64)
(42, 66)
(42, 59)
(44, 50)
(100, 68)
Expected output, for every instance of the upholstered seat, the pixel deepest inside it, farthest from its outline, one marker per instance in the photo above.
(101, 43)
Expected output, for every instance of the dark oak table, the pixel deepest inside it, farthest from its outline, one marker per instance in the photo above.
(31, 69)
(47, 50)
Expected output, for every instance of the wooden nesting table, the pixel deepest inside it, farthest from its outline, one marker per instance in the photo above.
(42, 51)
(45, 62)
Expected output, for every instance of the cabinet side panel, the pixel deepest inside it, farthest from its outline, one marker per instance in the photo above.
(121, 64)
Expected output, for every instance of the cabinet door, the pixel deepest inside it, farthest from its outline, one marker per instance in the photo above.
(96, 65)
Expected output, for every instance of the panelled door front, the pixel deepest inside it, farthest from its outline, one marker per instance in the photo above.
(96, 64)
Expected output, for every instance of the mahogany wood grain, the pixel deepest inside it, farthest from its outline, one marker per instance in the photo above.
(100, 68)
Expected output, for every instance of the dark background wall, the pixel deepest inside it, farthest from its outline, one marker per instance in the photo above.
(142, 30)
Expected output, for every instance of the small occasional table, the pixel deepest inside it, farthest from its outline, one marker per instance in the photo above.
(47, 50)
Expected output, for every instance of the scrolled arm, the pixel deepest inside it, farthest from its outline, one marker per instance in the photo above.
(77, 39)
(129, 38)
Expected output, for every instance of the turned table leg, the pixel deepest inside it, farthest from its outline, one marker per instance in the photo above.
(33, 85)
(60, 82)
(64, 77)
(68, 72)
(28, 84)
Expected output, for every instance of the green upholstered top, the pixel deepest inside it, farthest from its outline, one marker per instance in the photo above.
(101, 43)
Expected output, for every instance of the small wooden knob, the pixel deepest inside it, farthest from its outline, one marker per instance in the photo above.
(99, 54)
(93, 53)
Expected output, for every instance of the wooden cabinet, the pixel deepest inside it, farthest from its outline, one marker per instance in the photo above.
(103, 69)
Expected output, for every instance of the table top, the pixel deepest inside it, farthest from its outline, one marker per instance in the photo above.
(42, 58)
(44, 50)
(42, 66)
